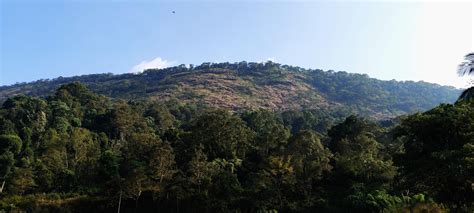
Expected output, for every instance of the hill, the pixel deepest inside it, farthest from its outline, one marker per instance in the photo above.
(269, 85)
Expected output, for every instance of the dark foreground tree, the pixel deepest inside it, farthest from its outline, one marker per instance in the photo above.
(467, 68)
(439, 154)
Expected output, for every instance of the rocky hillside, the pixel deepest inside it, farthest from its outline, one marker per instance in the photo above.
(267, 85)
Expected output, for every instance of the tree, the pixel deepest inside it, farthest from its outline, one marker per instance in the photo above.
(222, 134)
(83, 151)
(6, 126)
(271, 136)
(162, 117)
(310, 160)
(359, 159)
(276, 179)
(61, 116)
(467, 68)
(10, 147)
(122, 121)
(200, 170)
(22, 180)
(358, 165)
(162, 164)
(50, 161)
(83, 102)
(109, 165)
(76, 149)
(350, 128)
(438, 153)
(147, 165)
(225, 191)
(26, 111)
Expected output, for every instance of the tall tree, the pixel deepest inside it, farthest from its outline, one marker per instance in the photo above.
(439, 150)
(147, 165)
(358, 165)
(276, 181)
(271, 135)
(10, 147)
(200, 170)
(222, 134)
(310, 160)
(467, 68)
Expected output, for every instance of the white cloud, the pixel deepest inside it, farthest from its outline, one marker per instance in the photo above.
(157, 63)
(272, 59)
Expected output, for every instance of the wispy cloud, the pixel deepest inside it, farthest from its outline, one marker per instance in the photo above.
(156, 63)
(272, 59)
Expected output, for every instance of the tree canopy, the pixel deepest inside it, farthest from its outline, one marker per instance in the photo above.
(77, 148)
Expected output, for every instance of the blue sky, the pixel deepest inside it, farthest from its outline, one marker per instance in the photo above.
(388, 40)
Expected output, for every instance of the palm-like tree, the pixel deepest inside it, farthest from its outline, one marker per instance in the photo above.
(467, 68)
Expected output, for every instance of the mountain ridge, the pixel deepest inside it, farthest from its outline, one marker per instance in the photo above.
(249, 85)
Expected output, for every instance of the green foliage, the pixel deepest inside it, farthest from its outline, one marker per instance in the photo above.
(77, 149)
(380, 200)
(309, 158)
(270, 133)
(245, 86)
(438, 153)
(53, 202)
(200, 171)
(147, 165)
(357, 152)
(10, 143)
(10, 147)
(109, 165)
(467, 68)
(222, 134)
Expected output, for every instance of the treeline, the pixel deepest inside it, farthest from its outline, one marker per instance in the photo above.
(79, 151)
(244, 86)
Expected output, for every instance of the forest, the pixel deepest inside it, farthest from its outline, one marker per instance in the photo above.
(77, 151)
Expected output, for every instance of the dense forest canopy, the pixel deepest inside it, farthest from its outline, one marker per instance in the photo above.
(76, 150)
(250, 86)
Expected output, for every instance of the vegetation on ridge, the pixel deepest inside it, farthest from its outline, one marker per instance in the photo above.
(249, 86)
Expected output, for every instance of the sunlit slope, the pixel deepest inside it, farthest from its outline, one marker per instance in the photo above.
(268, 85)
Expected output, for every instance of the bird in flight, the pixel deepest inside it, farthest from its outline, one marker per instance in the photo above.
(173, 11)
